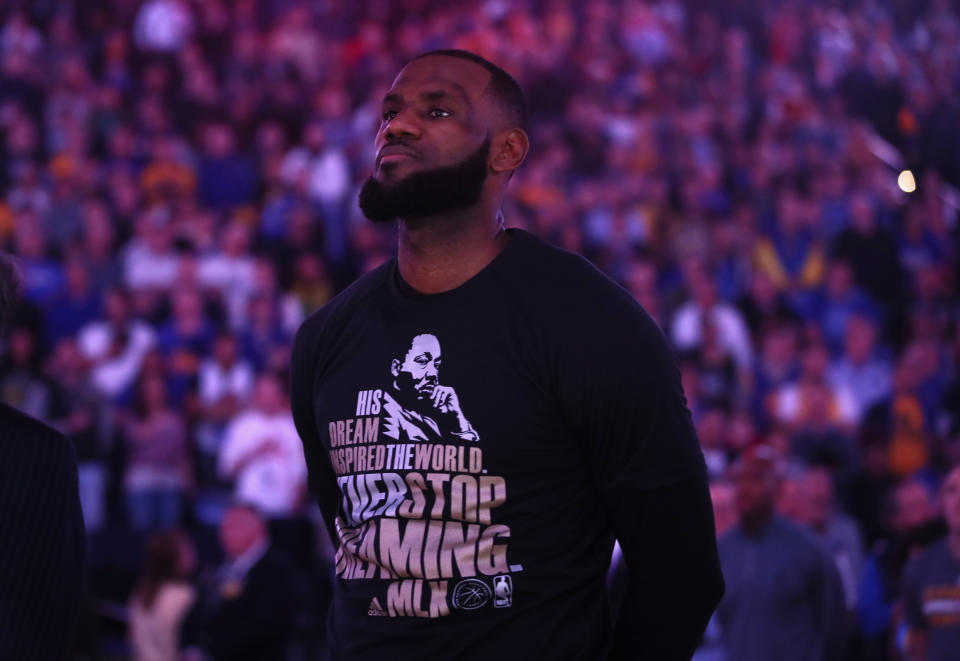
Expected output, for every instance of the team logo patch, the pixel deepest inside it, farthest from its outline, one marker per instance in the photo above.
(471, 594)
(502, 591)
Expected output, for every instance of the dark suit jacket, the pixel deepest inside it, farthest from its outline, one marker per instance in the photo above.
(41, 540)
(255, 621)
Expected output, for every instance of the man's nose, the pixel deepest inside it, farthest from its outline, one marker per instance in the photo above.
(404, 125)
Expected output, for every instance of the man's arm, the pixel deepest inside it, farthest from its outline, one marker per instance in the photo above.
(674, 581)
(321, 478)
(624, 399)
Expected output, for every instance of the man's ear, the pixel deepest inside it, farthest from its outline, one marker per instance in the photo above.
(510, 147)
(395, 368)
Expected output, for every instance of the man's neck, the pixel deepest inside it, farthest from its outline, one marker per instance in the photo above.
(439, 254)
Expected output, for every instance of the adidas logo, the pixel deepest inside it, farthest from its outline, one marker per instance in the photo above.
(375, 609)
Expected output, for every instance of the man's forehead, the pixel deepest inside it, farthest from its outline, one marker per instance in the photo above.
(442, 73)
(425, 344)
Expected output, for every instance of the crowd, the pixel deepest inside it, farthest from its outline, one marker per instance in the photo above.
(178, 182)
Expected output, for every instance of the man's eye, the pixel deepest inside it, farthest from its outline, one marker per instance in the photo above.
(436, 363)
(438, 112)
(389, 114)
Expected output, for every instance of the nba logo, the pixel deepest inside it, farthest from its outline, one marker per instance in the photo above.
(502, 591)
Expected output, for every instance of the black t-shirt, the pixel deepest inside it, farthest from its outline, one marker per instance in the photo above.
(466, 449)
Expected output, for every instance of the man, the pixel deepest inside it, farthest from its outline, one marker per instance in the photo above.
(224, 385)
(910, 524)
(496, 543)
(416, 407)
(41, 526)
(784, 598)
(837, 531)
(250, 608)
(932, 587)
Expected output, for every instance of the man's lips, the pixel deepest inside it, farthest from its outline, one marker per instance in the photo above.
(391, 153)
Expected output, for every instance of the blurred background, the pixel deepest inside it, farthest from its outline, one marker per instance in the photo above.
(775, 181)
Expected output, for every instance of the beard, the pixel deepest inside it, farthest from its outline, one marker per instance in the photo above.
(428, 193)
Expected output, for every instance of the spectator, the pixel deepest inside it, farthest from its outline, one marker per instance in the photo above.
(264, 339)
(158, 472)
(224, 386)
(78, 412)
(861, 371)
(162, 597)
(784, 598)
(811, 402)
(115, 346)
(901, 418)
(225, 178)
(931, 594)
(688, 321)
(185, 339)
(74, 307)
(150, 263)
(909, 517)
(248, 610)
(837, 303)
(836, 530)
(42, 276)
(23, 384)
(872, 252)
(262, 453)
(763, 305)
(791, 257)
(230, 270)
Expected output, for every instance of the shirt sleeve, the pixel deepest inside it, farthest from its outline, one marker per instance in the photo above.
(621, 390)
(321, 479)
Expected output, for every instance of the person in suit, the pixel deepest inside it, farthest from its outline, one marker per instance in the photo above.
(41, 526)
(251, 604)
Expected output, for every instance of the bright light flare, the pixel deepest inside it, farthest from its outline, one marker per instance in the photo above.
(906, 182)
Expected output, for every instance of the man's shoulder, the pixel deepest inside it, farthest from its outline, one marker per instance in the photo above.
(552, 278)
(798, 539)
(544, 264)
(17, 425)
(350, 299)
(29, 447)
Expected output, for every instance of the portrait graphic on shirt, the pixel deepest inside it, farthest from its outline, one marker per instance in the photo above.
(417, 407)
(417, 517)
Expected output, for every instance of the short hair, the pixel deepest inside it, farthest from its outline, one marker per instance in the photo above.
(9, 289)
(503, 86)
